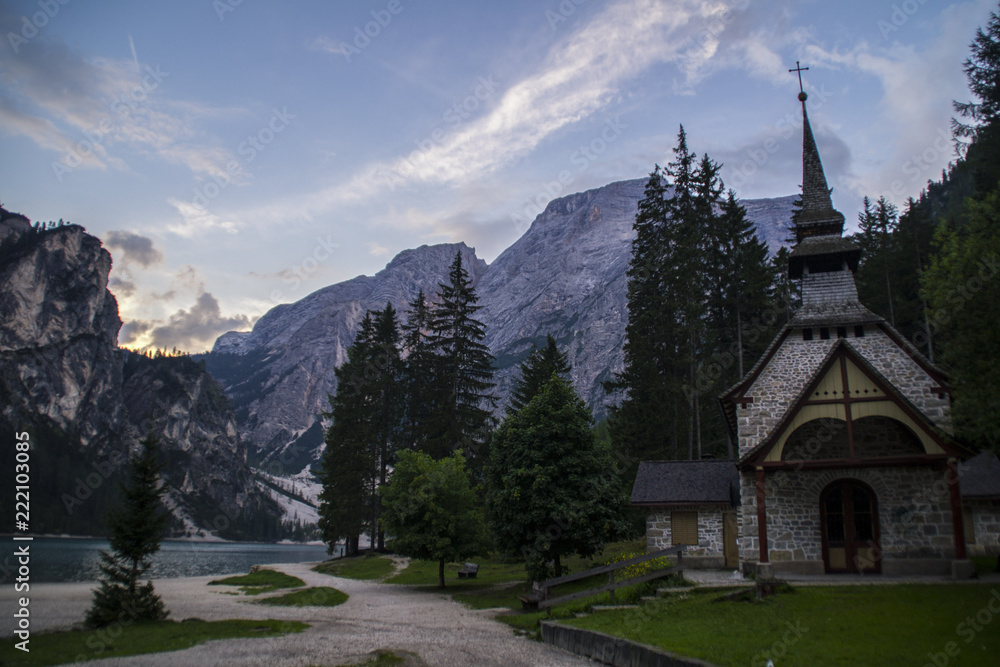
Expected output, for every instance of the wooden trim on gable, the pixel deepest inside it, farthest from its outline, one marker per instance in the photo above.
(840, 353)
(913, 353)
(931, 460)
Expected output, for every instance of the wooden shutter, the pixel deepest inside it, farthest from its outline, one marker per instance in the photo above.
(684, 528)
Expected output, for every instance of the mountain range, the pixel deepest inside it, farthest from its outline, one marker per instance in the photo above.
(240, 426)
(564, 277)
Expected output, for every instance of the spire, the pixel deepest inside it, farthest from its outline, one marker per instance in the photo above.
(822, 258)
(817, 217)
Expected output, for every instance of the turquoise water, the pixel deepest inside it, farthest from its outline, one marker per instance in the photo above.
(55, 559)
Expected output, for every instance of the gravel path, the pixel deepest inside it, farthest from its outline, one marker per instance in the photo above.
(377, 616)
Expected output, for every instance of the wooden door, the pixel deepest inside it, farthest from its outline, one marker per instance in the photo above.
(729, 547)
(849, 518)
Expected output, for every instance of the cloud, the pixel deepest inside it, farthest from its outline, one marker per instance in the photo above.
(197, 220)
(135, 248)
(325, 44)
(81, 107)
(121, 287)
(197, 327)
(915, 110)
(377, 249)
(580, 75)
(133, 331)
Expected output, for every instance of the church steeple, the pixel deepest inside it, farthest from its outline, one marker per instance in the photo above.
(817, 217)
(822, 258)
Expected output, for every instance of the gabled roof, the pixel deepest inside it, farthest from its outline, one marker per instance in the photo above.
(842, 348)
(740, 388)
(979, 477)
(686, 483)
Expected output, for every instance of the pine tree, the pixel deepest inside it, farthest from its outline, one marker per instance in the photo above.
(551, 489)
(366, 432)
(387, 369)
(419, 372)
(535, 372)
(464, 370)
(349, 465)
(739, 283)
(877, 223)
(642, 431)
(963, 289)
(982, 69)
(136, 527)
(700, 289)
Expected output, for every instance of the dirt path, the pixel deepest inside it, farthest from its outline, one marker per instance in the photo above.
(376, 617)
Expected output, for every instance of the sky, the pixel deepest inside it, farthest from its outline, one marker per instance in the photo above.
(234, 155)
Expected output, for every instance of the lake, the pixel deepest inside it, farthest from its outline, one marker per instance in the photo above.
(55, 559)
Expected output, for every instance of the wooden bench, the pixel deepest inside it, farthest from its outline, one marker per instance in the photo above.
(468, 571)
(529, 602)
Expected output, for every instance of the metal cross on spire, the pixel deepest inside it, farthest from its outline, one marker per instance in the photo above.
(799, 70)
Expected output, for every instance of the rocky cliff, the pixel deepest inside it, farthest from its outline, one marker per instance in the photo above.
(565, 276)
(85, 402)
(280, 374)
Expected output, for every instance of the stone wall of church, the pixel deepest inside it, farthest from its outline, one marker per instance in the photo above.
(658, 533)
(906, 375)
(796, 361)
(778, 384)
(986, 524)
(913, 507)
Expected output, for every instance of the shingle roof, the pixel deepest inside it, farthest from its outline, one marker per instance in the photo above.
(979, 477)
(686, 482)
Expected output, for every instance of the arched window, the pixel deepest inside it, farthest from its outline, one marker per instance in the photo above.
(823, 438)
(884, 436)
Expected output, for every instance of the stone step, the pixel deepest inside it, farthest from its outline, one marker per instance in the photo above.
(674, 591)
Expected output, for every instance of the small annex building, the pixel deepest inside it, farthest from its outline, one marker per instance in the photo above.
(845, 457)
(695, 503)
(979, 479)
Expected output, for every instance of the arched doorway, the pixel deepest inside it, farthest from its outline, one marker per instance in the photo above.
(849, 523)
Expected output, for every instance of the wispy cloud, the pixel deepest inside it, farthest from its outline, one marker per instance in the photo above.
(325, 44)
(80, 107)
(915, 110)
(579, 76)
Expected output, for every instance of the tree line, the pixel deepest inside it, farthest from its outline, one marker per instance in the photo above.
(415, 399)
(931, 269)
(704, 300)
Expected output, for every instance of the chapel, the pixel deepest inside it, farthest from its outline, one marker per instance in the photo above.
(845, 457)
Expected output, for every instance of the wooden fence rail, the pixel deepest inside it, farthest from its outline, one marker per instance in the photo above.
(540, 597)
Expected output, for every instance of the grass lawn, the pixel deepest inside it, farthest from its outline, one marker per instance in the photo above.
(319, 596)
(986, 564)
(115, 641)
(498, 584)
(359, 567)
(261, 581)
(835, 625)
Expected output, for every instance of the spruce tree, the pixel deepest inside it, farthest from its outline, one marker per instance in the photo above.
(551, 489)
(875, 278)
(136, 525)
(536, 370)
(348, 466)
(362, 441)
(464, 370)
(640, 430)
(419, 371)
(386, 367)
(700, 287)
